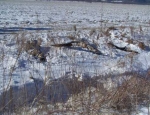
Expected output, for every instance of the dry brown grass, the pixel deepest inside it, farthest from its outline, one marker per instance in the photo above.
(72, 96)
(141, 45)
(85, 97)
(131, 94)
(132, 30)
(92, 31)
(130, 41)
(72, 37)
(107, 31)
(75, 28)
(123, 99)
(123, 35)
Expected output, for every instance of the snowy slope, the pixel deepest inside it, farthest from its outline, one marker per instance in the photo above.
(54, 22)
(60, 18)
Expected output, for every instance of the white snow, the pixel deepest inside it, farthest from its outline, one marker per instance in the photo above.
(61, 17)
(143, 60)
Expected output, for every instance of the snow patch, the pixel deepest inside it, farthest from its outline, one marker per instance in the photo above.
(143, 60)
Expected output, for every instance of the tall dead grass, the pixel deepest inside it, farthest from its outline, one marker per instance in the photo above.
(70, 96)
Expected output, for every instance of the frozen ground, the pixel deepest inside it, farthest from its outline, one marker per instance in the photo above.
(55, 22)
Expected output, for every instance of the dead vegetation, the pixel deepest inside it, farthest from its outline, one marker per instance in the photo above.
(83, 43)
(33, 48)
(130, 41)
(126, 98)
(141, 45)
(69, 95)
(131, 94)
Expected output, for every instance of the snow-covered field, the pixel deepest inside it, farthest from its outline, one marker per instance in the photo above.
(55, 22)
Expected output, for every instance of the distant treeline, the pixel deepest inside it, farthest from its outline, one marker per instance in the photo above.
(112, 1)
